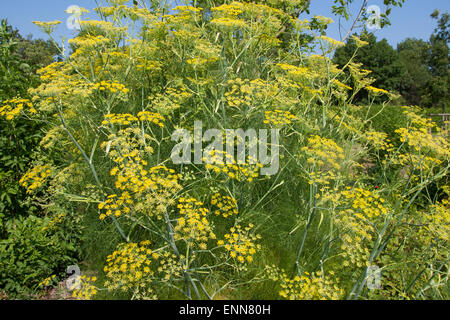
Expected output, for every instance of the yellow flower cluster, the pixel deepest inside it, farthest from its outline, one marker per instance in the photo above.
(341, 85)
(55, 220)
(47, 27)
(157, 186)
(198, 61)
(376, 91)
(112, 86)
(235, 170)
(119, 118)
(226, 15)
(333, 42)
(169, 266)
(148, 65)
(109, 11)
(89, 42)
(360, 76)
(437, 222)
(47, 281)
(324, 157)
(360, 211)
(12, 108)
(116, 205)
(293, 71)
(170, 100)
(129, 267)
(51, 71)
(35, 177)
(186, 17)
(150, 189)
(248, 93)
(154, 117)
(323, 20)
(87, 290)
(193, 225)
(278, 117)
(203, 54)
(315, 286)
(354, 248)
(90, 26)
(359, 43)
(228, 22)
(349, 125)
(419, 136)
(411, 163)
(256, 10)
(131, 174)
(128, 144)
(226, 205)
(234, 9)
(240, 243)
(188, 9)
(379, 140)
(364, 203)
(127, 119)
(233, 15)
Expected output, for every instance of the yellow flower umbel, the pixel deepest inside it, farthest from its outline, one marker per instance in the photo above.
(54, 221)
(324, 158)
(240, 243)
(226, 205)
(112, 87)
(341, 85)
(47, 282)
(245, 93)
(35, 178)
(169, 266)
(359, 212)
(278, 117)
(120, 119)
(315, 286)
(294, 72)
(116, 206)
(130, 267)
(240, 171)
(169, 101)
(47, 27)
(419, 138)
(376, 91)
(437, 223)
(87, 289)
(152, 117)
(226, 16)
(88, 42)
(333, 43)
(14, 107)
(147, 190)
(193, 226)
(378, 140)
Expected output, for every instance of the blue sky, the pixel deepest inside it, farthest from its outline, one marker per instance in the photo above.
(413, 20)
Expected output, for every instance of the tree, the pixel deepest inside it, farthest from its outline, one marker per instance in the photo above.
(19, 60)
(414, 55)
(14, 72)
(437, 94)
(341, 8)
(378, 56)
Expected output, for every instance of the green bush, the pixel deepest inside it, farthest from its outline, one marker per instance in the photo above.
(387, 119)
(32, 251)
